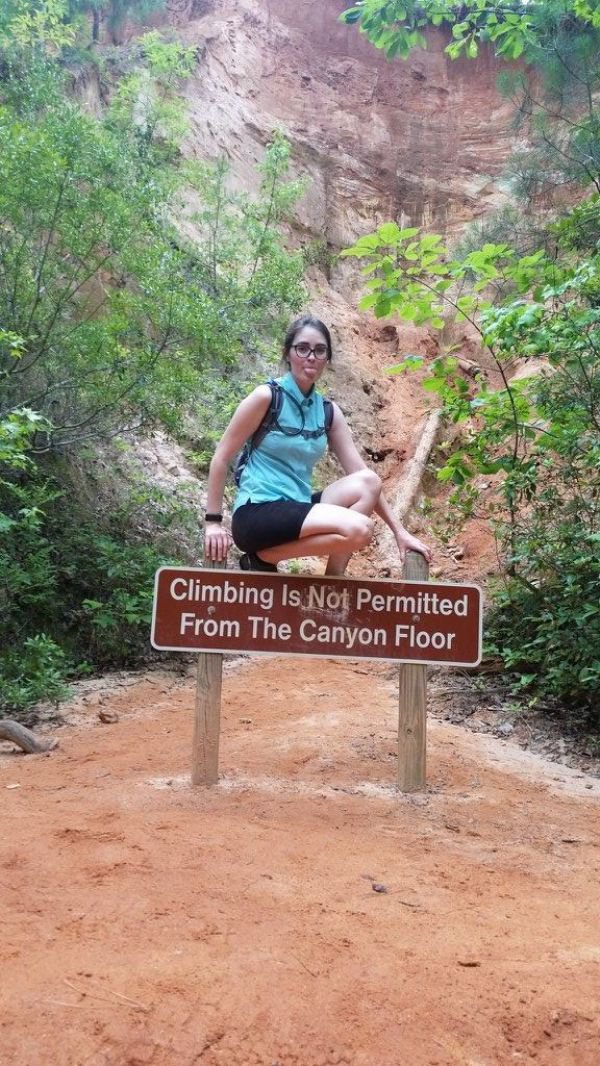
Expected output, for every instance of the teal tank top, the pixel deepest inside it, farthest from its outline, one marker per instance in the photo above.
(281, 467)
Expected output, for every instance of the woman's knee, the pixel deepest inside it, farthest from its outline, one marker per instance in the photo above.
(360, 531)
(370, 481)
(363, 487)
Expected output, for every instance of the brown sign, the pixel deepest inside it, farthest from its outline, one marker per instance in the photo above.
(233, 611)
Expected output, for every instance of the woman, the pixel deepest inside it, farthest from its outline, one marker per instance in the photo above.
(276, 515)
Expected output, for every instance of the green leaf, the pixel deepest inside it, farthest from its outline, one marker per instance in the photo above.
(351, 15)
(383, 308)
(410, 362)
(388, 233)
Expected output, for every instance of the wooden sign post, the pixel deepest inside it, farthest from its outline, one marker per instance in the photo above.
(207, 715)
(412, 702)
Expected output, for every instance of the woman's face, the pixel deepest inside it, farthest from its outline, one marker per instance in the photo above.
(307, 369)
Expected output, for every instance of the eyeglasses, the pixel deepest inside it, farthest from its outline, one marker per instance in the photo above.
(303, 350)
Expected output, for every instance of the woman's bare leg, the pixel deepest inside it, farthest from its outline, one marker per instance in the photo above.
(358, 492)
(320, 544)
(338, 526)
(347, 540)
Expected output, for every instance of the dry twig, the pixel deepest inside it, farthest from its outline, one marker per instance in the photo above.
(86, 992)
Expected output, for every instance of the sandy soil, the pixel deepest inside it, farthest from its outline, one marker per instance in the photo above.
(301, 913)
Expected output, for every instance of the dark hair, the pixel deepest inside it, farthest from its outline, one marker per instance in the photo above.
(300, 323)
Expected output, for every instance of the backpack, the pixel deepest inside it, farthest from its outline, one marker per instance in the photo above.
(268, 423)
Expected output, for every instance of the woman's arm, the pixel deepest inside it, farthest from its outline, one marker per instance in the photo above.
(343, 447)
(246, 420)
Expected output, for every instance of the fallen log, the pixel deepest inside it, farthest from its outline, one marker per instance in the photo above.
(469, 367)
(410, 485)
(24, 738)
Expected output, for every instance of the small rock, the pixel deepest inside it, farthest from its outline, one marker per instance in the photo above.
(377, 887)
(505, 729)
(108, 717)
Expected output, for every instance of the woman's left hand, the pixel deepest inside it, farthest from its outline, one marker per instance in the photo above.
(217, 542)
(406, 542)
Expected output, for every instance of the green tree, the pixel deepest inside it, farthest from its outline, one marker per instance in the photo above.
(538, 437)
(88, 279)
(112, 321)
(116, 312)
(41, 24)
(54, 24)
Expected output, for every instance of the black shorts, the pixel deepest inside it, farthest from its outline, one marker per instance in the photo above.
(258, 526)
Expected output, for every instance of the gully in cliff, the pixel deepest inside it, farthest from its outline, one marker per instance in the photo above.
(282, 429)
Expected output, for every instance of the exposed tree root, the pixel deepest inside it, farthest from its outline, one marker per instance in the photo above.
(21, 736)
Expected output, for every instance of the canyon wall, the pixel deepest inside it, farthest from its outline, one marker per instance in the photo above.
(422, 141)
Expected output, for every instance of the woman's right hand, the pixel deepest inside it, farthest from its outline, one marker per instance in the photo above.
(217, 542)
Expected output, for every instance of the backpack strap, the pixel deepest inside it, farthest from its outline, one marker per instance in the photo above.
(328, 409)
(270, 417)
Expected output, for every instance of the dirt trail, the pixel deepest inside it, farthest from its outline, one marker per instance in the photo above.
(148, 923)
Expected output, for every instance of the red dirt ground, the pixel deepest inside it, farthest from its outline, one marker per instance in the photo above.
(146, 922)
